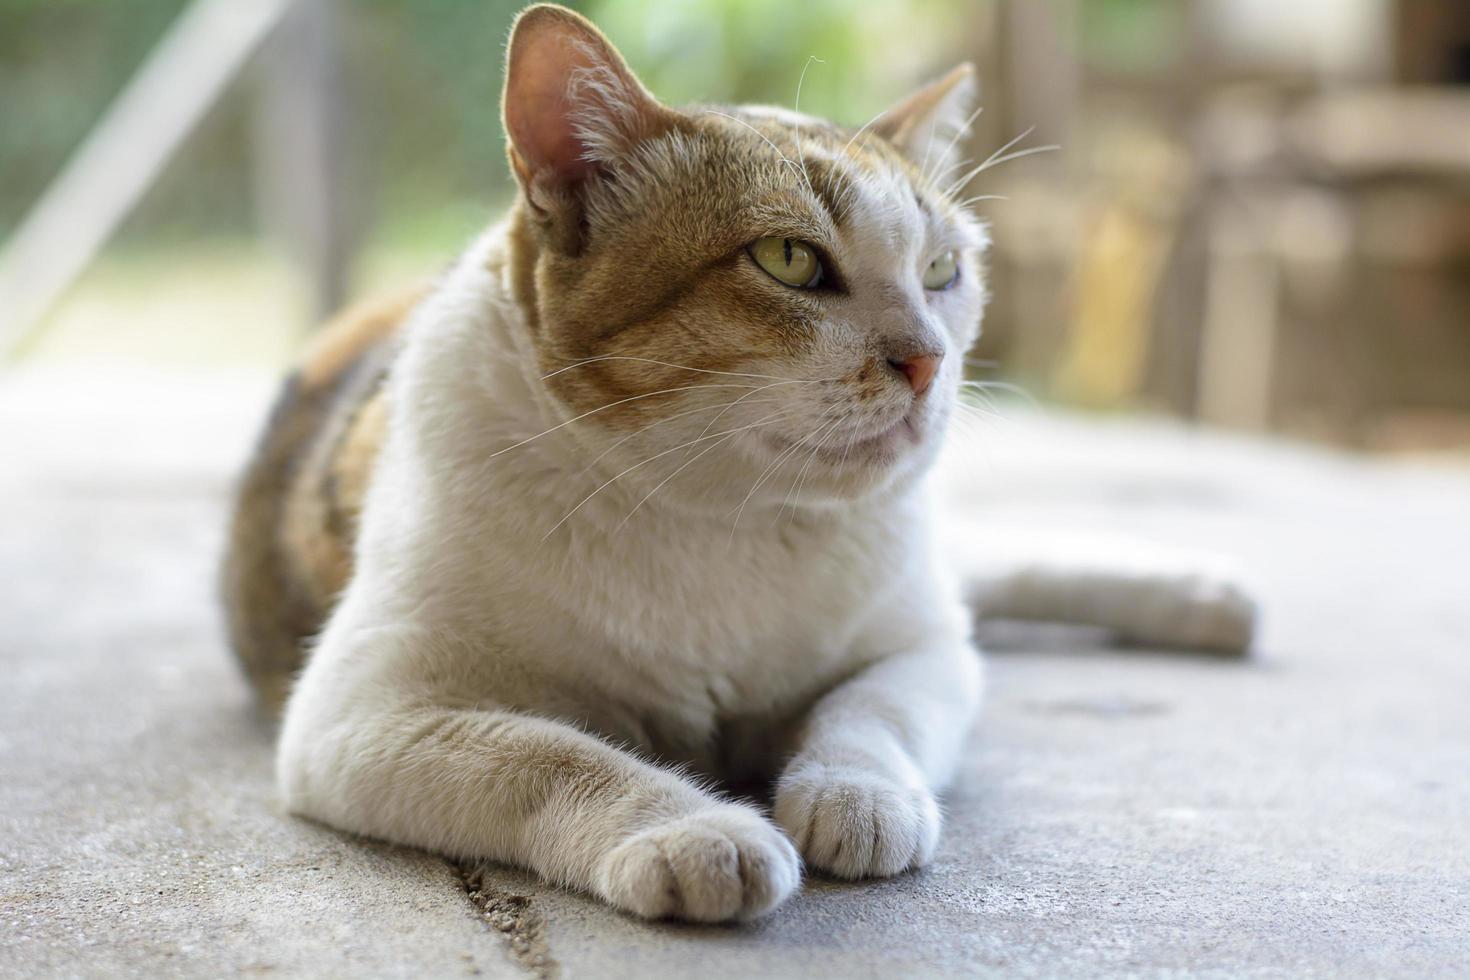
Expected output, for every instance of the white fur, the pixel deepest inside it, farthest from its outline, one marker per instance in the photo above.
(537, 613)
(470, 645)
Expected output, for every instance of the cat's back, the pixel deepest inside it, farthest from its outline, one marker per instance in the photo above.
(289, 553)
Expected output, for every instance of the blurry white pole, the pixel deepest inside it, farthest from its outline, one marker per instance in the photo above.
(123, 154)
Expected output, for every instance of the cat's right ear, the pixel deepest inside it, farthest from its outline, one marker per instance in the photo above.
(571, 105)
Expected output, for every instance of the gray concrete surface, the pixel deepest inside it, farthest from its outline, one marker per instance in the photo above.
(1303, 812)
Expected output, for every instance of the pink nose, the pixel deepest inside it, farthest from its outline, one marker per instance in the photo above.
(920, 370)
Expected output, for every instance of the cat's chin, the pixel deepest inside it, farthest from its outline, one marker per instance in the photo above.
(874, 453)
(835, 473)
(881, 449)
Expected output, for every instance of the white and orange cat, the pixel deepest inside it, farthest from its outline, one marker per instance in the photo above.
(634, 499)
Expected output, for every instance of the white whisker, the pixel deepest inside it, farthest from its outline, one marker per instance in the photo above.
(800, 480)
(864, 128)
(998, 157)
(959, 131)
(678, 415)
(1018, 154)
(670, 364)
(986, 386)
(769, 419)
(980, 197)
(941, 174)
(976, 411)
(771, 469)
(621, 401)
(797, 109)
(711, 423)
(638, 465)
(1006, 146)
(784, 158)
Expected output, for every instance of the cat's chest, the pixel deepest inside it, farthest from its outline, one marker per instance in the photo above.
(741, 622)
(798, 593)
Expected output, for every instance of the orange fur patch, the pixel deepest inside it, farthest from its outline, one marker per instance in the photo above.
(361, 326)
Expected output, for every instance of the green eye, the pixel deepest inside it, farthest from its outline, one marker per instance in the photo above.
(792, 262)
(943, 271)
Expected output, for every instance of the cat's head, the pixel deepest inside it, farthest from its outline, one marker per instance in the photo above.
(774, 306)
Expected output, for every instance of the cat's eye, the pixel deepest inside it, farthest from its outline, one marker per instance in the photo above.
(943, 271)
(788, 260)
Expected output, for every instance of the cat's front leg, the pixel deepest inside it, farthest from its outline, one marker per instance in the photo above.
(369, 747)
(858, 795)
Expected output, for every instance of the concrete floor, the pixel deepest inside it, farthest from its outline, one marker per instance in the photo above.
(1302, 812)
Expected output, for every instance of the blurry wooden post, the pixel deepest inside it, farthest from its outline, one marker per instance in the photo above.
(1180, 312)
(302, 186)
(1038, 44)
(1237, 338)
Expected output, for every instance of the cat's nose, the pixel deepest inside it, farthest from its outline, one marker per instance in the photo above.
(920, 370)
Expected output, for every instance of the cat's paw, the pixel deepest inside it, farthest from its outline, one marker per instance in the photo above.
(857, 824)
(726, 862)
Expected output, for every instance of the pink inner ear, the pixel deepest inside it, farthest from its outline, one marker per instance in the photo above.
(537, 109)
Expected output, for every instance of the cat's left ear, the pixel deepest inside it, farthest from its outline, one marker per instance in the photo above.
(571, 106)
(924, 125)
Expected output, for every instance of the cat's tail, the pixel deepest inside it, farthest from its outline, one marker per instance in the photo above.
(1146, 595)
(291, 539)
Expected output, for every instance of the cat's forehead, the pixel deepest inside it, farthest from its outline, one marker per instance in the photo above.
(867, 187)
(849, 155)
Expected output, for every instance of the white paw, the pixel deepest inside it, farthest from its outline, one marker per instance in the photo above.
(856, 824)
(727, 862)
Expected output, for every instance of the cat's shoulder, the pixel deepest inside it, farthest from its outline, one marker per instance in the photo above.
(358, 328)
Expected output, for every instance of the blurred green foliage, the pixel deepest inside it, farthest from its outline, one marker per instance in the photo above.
(422, 80)
(61, 61)
(1133, 36)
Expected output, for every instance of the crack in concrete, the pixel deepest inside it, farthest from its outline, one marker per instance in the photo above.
(514, 917)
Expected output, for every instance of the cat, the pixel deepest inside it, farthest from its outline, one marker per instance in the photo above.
(635, 497)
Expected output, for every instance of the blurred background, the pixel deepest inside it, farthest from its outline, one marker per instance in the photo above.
(1259, 216)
